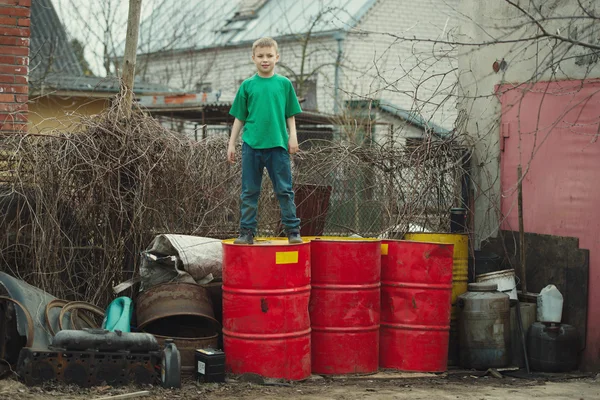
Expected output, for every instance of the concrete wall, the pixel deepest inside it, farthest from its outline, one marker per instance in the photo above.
(533, 69)
(52, 112)
(526, 61)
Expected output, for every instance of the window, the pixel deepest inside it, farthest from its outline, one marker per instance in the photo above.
(364, 113)
(307, 95)
(203, 87)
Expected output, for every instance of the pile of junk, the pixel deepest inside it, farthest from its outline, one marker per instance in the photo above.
(171, 328)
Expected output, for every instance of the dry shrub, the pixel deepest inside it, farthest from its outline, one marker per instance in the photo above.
(79, 207)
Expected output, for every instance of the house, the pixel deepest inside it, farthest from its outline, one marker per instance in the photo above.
(341, 55)
(58, 88)
(529, 104)
(199, 115)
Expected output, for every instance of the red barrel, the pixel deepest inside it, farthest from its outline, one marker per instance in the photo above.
(344, 306)
(266, 326)
(416, 292)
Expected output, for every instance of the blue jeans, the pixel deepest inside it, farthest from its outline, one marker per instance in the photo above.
(277, 162)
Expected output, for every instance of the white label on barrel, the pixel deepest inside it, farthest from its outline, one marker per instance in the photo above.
(286, 257)
(201, 368)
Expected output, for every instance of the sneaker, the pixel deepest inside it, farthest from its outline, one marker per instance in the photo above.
(294, 237)
(246, 237)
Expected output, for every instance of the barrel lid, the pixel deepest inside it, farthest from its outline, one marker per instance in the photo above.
(482, 287)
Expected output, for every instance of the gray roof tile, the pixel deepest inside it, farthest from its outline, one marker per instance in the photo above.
(51, 51)
(179, 25)
(54, 65)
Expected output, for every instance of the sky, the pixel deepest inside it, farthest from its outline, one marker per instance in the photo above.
(84, 20)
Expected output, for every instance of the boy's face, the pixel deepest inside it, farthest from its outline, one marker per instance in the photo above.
(265, 59)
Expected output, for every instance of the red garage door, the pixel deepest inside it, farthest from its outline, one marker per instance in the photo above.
(553, 130)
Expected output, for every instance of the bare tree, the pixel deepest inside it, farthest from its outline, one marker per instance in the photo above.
(303, 74)
(100, 25)
(97, 23)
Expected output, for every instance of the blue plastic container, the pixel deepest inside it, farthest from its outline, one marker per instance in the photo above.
(118, 315)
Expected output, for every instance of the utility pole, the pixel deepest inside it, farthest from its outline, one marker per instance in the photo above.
(131, 42)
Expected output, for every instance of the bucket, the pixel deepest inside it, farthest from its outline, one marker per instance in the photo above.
(504, 279)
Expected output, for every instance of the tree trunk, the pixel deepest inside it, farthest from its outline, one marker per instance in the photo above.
(131, 42)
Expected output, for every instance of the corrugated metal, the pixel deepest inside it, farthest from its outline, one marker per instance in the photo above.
(50, 49)
(559, 126)
(187, 100)
(177, 25)
(82, 83)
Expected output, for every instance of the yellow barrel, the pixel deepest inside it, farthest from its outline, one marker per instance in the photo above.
(460, 275)
(460, 269)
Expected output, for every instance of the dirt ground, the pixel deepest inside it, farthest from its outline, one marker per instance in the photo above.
(430, 387)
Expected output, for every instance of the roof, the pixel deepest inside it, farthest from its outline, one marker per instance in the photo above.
(412, 118)
(51, 51)
(191, 106)
(177, 25)
(54, 66)
(100, 86)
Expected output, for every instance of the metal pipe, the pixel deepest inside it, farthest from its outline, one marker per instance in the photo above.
(339, 37)
(522, 334)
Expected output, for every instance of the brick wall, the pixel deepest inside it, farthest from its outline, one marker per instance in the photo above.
(14, 61)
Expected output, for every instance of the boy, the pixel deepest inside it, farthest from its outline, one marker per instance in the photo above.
(263, 105)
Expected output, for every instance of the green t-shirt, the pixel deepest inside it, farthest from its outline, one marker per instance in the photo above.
(264, 104)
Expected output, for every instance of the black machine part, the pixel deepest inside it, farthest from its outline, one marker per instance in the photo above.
(103, 340)
(170, 371)
(88, 368)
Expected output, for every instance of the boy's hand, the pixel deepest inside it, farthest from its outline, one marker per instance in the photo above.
(231, 153)
(293, 145)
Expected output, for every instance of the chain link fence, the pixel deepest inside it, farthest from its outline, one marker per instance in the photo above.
(77, 208)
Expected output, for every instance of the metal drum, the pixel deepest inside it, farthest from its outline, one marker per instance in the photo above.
(553, 347)
(460, 275)
(345, 305)
(266, 327)
(484, 326)
(416, 289)
(168, 308)
(182, 312)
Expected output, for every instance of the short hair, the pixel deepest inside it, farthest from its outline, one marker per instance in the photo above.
(265, 42)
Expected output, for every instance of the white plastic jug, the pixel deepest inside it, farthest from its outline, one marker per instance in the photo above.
(549, 305)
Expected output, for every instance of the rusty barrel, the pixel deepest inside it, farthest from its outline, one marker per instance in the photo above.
(416, 289)
(183, 312)
(460, 275)
(344, 305)
(266, 327)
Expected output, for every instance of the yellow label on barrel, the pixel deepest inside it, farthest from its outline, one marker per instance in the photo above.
(384, 249)
(286, 257)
